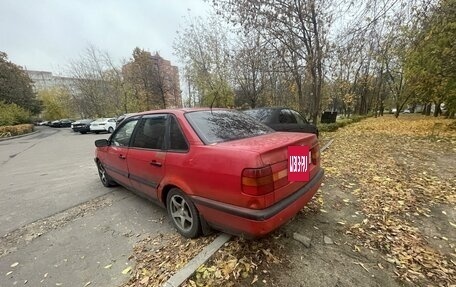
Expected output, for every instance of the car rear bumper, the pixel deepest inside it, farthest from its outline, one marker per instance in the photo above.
(252, 222)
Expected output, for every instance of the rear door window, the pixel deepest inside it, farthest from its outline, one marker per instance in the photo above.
(177, 139)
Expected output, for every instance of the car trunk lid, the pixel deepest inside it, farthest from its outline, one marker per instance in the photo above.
(272, 150)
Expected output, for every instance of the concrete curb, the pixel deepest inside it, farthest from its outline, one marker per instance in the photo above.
(326, 145)
(183, 274)
(19, 136)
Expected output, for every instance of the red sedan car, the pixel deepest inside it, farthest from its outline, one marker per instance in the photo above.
(216, 169)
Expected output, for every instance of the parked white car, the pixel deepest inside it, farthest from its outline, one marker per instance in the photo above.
(103, 125)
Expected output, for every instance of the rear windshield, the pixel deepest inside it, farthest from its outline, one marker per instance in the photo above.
(223, 125)
(262, 115)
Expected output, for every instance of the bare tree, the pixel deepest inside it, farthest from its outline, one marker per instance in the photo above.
(203, 48)
(250, 63)
(93, 90)
(298, 26)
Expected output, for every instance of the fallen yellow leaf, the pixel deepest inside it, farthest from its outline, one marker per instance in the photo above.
(126, 270)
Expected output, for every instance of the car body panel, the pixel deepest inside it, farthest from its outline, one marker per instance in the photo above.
(146, 169)
(114, 161)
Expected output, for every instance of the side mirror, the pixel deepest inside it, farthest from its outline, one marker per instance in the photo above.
(101, 143)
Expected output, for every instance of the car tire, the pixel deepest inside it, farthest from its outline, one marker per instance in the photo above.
(105, 179)
(110, 130)
(83, 133)
(183, 213)
(97, 132)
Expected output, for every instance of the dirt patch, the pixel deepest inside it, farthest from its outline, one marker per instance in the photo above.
(24, 235)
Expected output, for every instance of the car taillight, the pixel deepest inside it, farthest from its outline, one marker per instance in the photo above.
(315, 155)
(260, 181)
(257, 181)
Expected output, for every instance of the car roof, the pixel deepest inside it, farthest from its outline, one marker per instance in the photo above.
(178, 111)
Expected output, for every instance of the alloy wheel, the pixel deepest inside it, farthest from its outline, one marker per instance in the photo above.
(102, 173)
(181, 213)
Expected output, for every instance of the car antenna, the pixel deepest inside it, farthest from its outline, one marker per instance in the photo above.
(213, 100)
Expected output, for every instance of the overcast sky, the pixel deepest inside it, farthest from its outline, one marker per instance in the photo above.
(47, 34)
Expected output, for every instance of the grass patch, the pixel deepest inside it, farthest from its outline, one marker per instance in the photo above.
(340, 123)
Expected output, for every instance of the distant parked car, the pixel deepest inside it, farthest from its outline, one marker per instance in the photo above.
(103, 125)
(63, 123)
(210, 168)
(55, 124)
(82, 126)
(283, 119)
(41, 123)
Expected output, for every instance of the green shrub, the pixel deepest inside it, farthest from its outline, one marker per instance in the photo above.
(340, 123)
(328, 127)
(12, 114)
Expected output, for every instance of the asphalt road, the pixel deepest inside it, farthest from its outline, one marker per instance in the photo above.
(57, 222)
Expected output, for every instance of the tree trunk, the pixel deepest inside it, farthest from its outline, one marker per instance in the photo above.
(428, 109)
(437, 109)
(398, 109)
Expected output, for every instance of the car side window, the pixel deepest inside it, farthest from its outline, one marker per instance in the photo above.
(111, 120)
(123, 135)
(285, 117)
(299, 118)
(150, 132)
(176, 137)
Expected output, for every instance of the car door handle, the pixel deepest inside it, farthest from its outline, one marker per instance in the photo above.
(122, 156)
(156, 163)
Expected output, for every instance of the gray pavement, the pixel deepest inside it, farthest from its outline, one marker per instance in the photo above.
(58, 222)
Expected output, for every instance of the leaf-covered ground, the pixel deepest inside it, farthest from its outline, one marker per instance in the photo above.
(403, 171)
(158, 258)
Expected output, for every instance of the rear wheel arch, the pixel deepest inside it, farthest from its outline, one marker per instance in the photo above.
(166, 189)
